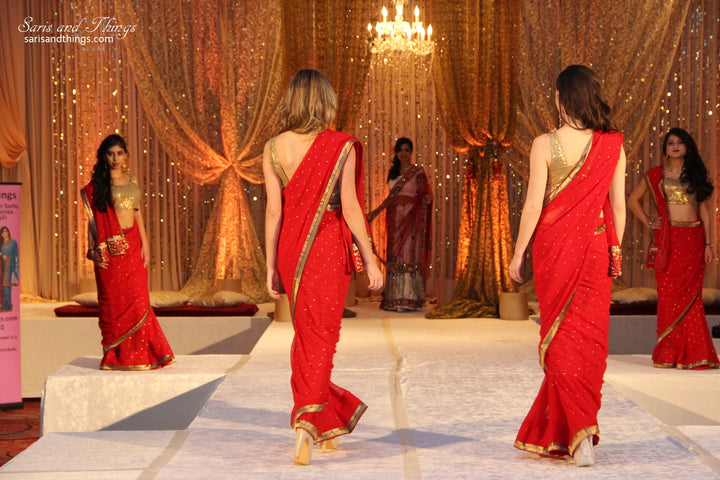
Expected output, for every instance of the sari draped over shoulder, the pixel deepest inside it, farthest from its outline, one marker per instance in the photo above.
(409, 229)
(131, 335)
(684, 339)
(571, 259)
(314, 263)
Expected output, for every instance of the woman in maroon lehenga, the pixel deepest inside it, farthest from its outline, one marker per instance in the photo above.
(575, 207)
(680, 249)
(408, 229)
(131, 335)
(313, 178)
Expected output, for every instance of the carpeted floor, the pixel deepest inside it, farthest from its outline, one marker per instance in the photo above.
(19, 428)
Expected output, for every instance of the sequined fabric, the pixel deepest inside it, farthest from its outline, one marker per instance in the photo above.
(319, 288)
(684, 340)
(408, 226)
(676, 192)
(126, 196)
(131, 335)
(571, 266)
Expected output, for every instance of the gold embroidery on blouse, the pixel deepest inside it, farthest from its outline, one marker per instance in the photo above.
(127, 195)
(676, 192)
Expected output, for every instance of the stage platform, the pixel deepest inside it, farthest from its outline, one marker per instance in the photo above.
(445, 398)
(47, 342)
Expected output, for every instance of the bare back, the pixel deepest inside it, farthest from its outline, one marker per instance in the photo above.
(291, 149)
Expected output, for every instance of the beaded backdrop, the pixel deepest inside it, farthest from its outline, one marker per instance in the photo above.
(400, 102)
(660, 60)
(661, 67)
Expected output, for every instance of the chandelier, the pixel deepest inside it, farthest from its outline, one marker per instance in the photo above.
(401, 36)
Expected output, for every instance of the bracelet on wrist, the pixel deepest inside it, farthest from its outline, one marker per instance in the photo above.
(709, 244)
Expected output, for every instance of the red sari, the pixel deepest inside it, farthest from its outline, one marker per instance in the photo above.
(571, 260)
(408, 230)
(314, 262)
(131, 335)
(684, 339)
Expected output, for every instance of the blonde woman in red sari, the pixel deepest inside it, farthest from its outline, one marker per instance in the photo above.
(682, 246)
(407, 220)
(131, 335)
(314, 183)
(575, 208)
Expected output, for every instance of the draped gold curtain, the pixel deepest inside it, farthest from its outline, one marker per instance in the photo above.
(12, 85)
(331, 36)
(476, 82)
(631, 45)
(209, 75)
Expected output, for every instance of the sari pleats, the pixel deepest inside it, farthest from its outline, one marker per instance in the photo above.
(322, 408)
(571, 261)
(132, 338)
(684, 339)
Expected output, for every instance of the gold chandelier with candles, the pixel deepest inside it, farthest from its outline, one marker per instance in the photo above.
(400, 36)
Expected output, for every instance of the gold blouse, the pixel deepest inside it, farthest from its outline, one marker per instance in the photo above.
(559, 168)
(126, 196)
(676, 192)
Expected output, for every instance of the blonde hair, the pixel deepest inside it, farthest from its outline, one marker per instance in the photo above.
(310, 103)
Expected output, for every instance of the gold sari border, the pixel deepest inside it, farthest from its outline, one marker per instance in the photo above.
(545, 344)
(335, 432)
(558, 449)
(587, 432)
(672, 326)
(305, 252)
(676, 223)
(690, 366)
(163, 361)
(571, 175)
(128, 334)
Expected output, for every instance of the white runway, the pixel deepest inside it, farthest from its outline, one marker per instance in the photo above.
(445, 399)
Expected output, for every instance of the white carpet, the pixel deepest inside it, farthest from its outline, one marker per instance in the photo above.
(445, 398)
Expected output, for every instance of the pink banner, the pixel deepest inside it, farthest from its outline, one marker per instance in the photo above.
(10, 381)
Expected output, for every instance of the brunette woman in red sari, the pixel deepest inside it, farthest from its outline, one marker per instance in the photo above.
(131, 335)
(408, 228)
(682, 245)
(314, 183)
(575, 207)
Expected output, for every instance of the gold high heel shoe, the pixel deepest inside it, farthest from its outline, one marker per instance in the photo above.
(329, 445)
(303, 447)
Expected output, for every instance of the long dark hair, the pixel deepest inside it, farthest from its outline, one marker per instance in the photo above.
(694, 170)
(579, 90)
(102, 194)
(396, 168)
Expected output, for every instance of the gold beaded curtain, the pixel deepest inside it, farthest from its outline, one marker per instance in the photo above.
(631, 46)
(91, 95)
(476, 82)
(400, 101)
(689, 100)
(331, 36)
(209, 75)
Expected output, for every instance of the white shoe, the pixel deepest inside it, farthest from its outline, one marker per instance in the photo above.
(329, 445)
(303, 447)
(584, 455)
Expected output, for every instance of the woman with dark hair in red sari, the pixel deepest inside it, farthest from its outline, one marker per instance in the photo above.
(681, 247)
(314, 183)
(131, 335)
(408, 228)
(575, 207)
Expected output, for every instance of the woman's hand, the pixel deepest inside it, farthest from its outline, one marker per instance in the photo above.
(655, 224)
(709, 254)
(375, 276)
(273, 283)
(516, 267)
(145, 253)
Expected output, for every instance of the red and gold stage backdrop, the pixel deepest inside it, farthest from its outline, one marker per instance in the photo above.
(193, 88)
